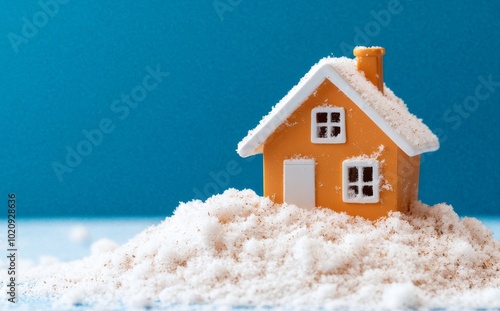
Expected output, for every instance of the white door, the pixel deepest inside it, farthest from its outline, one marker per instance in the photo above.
(298, 183)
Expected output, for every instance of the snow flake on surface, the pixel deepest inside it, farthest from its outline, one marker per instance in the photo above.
(78, 234)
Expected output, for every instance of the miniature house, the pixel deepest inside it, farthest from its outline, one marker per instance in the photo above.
(341, 139)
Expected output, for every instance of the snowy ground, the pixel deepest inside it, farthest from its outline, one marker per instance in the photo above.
(47, 241)
(37, 236)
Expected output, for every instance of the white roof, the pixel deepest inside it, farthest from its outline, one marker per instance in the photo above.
(388, 111)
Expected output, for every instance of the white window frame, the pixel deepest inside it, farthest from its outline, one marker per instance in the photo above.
(359, 183)
(341, 138)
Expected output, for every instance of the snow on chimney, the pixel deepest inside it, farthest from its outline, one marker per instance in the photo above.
(370, 61)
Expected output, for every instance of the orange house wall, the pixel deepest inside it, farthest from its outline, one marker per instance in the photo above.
(292, 139)
(408, 177)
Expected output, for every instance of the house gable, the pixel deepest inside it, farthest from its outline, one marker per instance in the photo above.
(387, 111)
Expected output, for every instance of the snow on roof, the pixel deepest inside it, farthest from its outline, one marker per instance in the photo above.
(388, 111)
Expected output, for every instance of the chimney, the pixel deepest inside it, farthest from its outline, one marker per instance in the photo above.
(370, 61)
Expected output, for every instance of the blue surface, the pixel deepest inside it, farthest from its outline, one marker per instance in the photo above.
(62, 72)
(37, 236)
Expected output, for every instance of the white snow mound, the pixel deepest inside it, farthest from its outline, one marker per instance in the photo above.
(238, 248)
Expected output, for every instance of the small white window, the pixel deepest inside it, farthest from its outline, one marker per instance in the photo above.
(328, 125)
(360, 181)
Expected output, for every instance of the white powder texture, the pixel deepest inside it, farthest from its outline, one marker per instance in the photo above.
(102, 246)
(240, 249)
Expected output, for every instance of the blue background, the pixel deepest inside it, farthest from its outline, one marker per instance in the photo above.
(227, 67)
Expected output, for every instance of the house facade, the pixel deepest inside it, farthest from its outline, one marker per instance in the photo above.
(340, 139)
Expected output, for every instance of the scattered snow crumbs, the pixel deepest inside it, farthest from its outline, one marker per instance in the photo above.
(241, 249)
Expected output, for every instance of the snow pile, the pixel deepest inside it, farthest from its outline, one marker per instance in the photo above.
(241, 249)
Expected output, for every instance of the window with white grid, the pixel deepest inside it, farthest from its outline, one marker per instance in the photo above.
(360, 181)
(328, 125)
